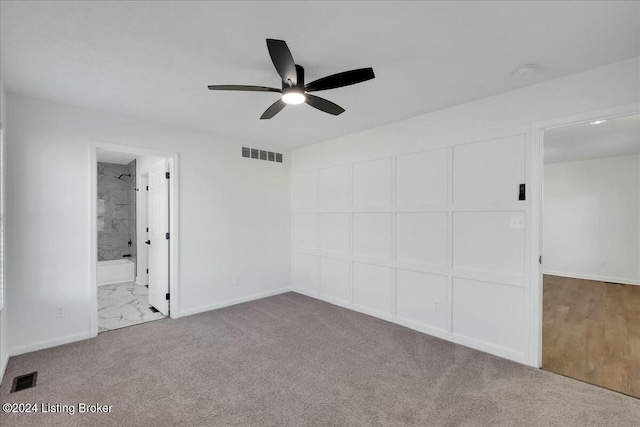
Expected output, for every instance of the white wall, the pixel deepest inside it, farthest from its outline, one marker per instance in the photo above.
(4, 330)
(592, 219)
(416, 222)
(234, 217)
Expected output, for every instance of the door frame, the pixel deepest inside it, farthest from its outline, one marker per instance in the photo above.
(174, 265)
(537, 200)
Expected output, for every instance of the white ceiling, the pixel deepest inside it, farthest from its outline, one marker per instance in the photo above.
(615, 137)
(116, 157)
(155, 59)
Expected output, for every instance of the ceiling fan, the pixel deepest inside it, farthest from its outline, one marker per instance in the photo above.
(294, 90)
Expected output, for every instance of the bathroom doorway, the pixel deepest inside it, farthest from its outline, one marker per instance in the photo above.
(132, 209)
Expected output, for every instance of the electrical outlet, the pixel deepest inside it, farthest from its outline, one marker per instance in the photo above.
(238, 281)
(436, 305)
(60, 312)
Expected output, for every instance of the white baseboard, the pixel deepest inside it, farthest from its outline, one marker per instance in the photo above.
(496, 350)
(228, 303)
(49, 343)
(314, 294)
(592, 277)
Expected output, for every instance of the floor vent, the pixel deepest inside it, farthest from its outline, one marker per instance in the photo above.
(24, 381)
(153, 309)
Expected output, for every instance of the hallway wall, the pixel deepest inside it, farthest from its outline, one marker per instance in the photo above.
(592, 219)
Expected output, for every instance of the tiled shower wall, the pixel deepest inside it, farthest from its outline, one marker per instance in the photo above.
(116, 211)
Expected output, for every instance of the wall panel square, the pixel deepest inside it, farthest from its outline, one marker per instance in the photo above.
(489, 171)
(373, 287)
(335, 187)
(335, 279)
(489, 312)
(422, 298)
(304, 189)
(372, 183)
(305, 231)
(422, 237)
(335, 232)
(486, 241)
(372, 234)
(305, 272)
(422, 178)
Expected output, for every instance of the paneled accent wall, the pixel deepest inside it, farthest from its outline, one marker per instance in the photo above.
(434, 240)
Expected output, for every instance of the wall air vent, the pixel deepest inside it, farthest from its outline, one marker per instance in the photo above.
(254, 153)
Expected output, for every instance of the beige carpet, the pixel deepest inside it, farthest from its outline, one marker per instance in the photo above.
(290, 360)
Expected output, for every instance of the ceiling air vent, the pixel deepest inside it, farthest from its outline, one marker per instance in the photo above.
(255, 153)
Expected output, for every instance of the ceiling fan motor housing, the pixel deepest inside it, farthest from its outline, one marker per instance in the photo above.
(299, 75)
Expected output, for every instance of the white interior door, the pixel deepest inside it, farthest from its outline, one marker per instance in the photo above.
(158, 243)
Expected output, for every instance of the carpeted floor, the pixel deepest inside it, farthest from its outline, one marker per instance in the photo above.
(291, 360)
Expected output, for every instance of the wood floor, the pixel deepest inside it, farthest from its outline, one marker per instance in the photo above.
(591, 332)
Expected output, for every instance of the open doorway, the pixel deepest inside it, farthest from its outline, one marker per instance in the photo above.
(591, 250)
(134, 205)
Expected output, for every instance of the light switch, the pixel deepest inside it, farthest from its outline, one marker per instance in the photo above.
(516, 223)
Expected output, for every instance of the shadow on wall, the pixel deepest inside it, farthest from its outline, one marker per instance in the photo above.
(116, 211)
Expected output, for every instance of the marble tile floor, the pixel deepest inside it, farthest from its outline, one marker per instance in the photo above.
(123, 304)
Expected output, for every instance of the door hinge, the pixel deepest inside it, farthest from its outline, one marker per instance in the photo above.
(166, 174)
(166, 236)
(147, 188)
(167, 296)
(522, 195)
(540, 259)
(147, 229)
(147, 271)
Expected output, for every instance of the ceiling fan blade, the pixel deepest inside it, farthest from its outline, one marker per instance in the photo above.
(274, 109)
(323, 105)
(345, 78)
(282, 60)
(244, 88)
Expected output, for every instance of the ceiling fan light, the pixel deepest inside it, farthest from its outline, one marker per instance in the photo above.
(293, 96)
